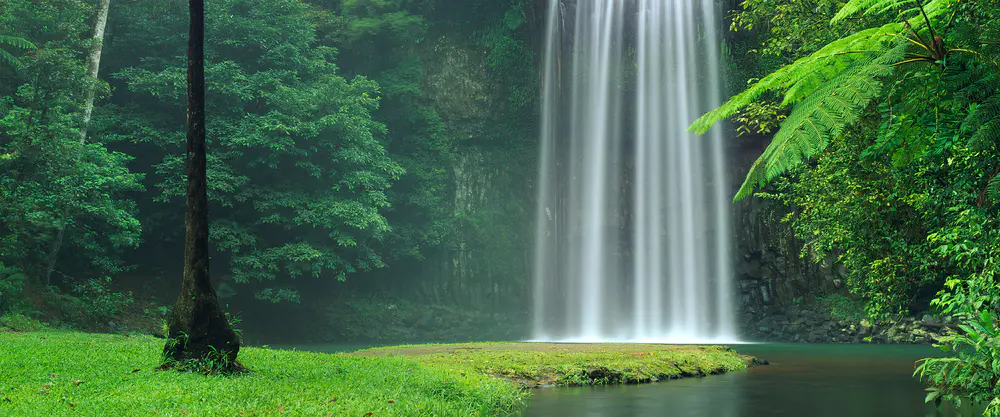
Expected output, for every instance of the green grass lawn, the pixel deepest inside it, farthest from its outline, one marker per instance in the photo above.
(62, 373)
(66, 373)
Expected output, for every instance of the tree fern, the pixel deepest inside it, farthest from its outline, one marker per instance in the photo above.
(825, 113)
(8, 59)
(933, 8)
(802, 77)
(828, 89)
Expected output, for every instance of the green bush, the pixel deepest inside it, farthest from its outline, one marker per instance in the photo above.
(11, 288)
(20, 323)
(91, 304)
(842, 307)
(972, 370)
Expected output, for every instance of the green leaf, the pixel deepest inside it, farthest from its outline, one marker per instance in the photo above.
(932, 394)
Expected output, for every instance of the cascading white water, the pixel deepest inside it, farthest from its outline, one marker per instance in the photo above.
(633, 230)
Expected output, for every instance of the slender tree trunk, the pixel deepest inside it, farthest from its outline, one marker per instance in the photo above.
(93, 69)
(198, 325)
(94, 64)
(54, 253)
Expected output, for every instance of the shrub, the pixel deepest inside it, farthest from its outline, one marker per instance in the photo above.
(20, 323)
(91, 303)
(972, 371)
(842, 307)
(11, 288)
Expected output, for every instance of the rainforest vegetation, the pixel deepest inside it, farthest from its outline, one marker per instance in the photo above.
(886, 145)
(335, 130)
(370, 167)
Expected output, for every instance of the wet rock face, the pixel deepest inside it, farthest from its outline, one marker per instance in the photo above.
(773, 278)
(804, 325)
(772, 274)
(771, 271)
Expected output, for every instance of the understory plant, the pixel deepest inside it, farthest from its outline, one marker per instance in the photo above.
(972, 371)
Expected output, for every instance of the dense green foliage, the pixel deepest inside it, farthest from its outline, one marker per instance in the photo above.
(889, 157)
(65, 216)
(297, 172)
(340, 134)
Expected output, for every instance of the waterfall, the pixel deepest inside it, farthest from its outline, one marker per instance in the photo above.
(633, 233)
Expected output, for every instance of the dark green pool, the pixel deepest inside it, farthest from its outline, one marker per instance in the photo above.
(802, 381)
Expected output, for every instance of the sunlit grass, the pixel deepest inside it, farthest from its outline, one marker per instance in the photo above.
(58, 373)
(69, 373)
(534, 364)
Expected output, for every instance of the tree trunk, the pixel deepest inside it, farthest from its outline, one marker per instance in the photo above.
(199, 329)
(54, 253)
(93, 68)
(94, 64)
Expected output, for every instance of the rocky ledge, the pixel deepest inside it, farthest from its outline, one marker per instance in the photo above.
(808, 326)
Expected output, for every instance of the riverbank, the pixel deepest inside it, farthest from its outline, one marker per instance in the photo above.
(568, 364)
(60, 373)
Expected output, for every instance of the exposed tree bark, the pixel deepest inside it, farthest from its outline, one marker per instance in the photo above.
(93, 69)
(199, 329)
(94, 64)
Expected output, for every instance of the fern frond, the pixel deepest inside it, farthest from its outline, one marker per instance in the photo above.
(15, 42)
(982, 122)
(993, 189)
(8, 59)
(867, 7)
(933, 8)
(806, 74)
(800, 78)
(826, 113)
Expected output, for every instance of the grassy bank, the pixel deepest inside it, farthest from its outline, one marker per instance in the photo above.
(60, 373)
(547, 364)
(66, 373)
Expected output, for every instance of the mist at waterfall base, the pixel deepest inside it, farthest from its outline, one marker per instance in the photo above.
(633, 231)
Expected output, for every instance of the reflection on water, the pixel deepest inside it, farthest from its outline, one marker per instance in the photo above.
(802, 380)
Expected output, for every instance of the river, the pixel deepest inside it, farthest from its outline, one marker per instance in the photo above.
(803, 380)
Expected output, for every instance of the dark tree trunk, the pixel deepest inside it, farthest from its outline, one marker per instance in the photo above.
(198, 326)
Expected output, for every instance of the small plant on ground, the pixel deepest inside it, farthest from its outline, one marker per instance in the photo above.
(213, 363)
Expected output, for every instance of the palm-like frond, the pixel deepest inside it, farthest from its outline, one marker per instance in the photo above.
(910, 8)
(8, 59)
(829, 88)
(824, 114)
(802, 77)
(993, 189)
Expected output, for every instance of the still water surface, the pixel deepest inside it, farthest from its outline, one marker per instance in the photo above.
(802, 381)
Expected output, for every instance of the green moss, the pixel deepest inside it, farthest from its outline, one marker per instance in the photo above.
(535, 364)
(67, 373)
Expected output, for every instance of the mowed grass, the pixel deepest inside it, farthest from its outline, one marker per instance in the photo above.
(542, 364)
(78, 374)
